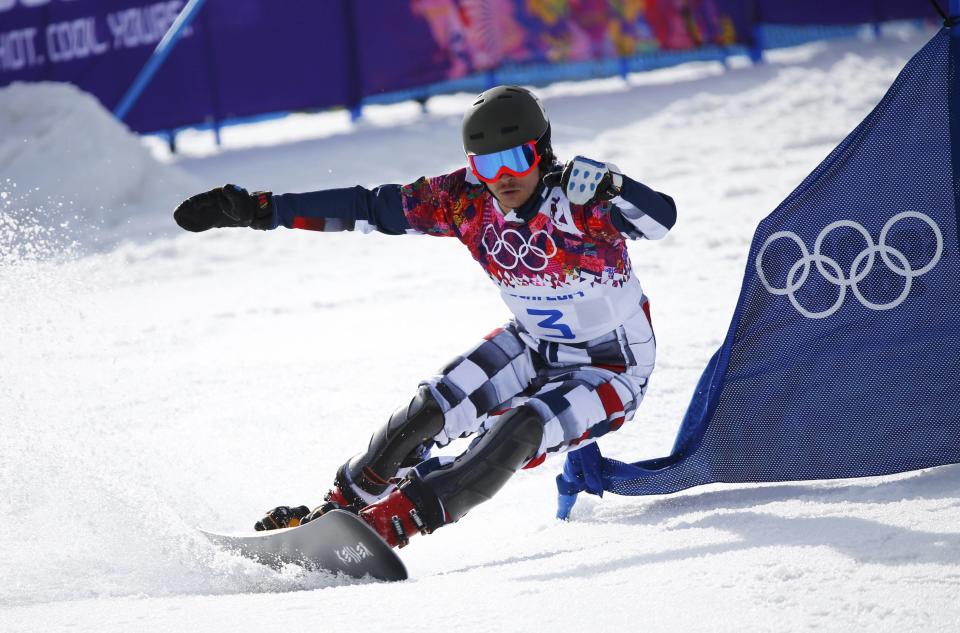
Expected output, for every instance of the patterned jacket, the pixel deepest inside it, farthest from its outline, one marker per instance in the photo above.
(563, 271)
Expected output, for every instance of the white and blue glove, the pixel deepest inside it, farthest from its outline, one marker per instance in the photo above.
(584, 180)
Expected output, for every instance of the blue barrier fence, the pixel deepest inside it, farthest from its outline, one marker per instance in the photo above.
(243, 58)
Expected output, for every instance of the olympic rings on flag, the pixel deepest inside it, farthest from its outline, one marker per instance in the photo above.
(521, 250)
(861, 266)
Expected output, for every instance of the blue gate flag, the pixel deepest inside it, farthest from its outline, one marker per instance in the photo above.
(843, 355)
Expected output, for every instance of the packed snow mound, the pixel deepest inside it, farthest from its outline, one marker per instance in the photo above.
(74, 177)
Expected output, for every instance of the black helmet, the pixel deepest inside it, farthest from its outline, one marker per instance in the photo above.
(505, 117)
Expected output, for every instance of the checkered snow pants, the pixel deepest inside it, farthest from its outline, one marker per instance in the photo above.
(581, 391)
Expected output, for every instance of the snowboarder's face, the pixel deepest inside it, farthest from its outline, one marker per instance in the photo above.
(512, 191)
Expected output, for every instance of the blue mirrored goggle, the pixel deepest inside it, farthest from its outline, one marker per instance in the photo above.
(517, 161)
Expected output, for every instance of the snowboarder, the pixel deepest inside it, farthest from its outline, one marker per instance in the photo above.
(570, 366)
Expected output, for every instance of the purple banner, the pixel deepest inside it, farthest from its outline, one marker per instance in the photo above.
(100, 45)
(239, 58)
(247, 57)
(277, 55)
(829, 12)
(449, 39)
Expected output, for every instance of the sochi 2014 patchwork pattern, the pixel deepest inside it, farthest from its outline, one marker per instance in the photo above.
(563, 244)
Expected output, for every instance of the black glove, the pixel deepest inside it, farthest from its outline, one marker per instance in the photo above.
(229, 205)
(584, 180)
(282, 517)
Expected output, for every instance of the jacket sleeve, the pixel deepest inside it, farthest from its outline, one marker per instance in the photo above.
(351, 209)
(423, 207)
(639, 212)
(430, 204)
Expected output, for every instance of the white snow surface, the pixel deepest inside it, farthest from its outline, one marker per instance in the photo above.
(154, 381)
(69, 171)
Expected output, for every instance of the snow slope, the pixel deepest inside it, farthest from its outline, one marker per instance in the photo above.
(150, 385)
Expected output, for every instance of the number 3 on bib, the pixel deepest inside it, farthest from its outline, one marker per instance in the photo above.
(552, 322)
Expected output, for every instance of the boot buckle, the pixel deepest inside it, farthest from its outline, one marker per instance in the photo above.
(402, 539)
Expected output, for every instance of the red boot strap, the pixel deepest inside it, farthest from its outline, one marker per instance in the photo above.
(335, 496)
(374, 478)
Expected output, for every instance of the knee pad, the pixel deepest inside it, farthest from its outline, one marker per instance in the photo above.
(399, 443)
(485, 467)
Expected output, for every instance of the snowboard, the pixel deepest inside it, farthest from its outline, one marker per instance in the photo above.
(337, 542)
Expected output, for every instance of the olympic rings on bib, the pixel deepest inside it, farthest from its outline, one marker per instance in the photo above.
(521, 252)
(828, 267)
